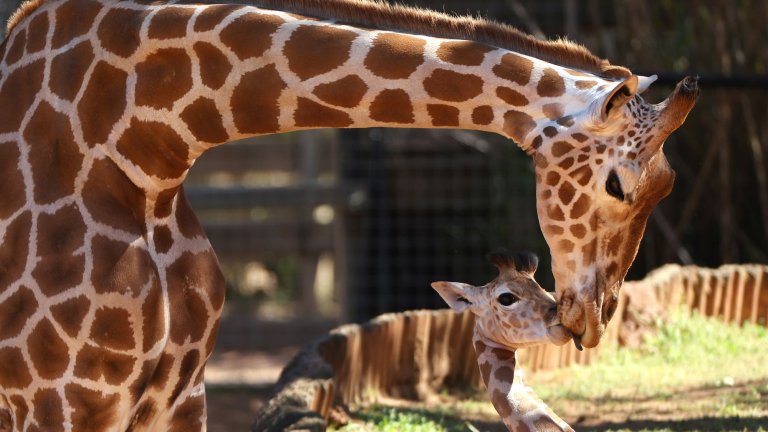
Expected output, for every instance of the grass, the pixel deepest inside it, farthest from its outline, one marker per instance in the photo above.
(694, 374)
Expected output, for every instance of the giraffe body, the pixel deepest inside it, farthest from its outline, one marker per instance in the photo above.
(110, 294)
(511, 312)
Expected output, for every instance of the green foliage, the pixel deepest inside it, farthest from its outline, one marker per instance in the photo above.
(383, 419)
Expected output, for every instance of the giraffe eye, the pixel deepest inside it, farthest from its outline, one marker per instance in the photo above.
(613, 186)
(506, 299)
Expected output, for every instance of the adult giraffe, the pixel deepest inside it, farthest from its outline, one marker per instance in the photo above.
(110, 294)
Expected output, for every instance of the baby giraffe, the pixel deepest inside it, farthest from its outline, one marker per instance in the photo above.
(512, 311)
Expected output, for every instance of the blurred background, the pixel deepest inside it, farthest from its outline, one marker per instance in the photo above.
(319, 228)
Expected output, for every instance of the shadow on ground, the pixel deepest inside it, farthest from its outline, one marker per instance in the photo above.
(696, 424)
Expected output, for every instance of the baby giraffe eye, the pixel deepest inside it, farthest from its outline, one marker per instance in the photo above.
(506, 299)
(613, 186)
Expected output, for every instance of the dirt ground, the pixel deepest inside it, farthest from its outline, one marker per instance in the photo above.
(238, 383)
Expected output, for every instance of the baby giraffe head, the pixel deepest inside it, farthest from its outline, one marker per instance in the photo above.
(513, 310)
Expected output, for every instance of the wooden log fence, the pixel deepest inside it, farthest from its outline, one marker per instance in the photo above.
(415, 354)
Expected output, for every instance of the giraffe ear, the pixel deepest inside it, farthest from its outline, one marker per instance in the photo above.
(454, 293)
(619, 97)
(527, 262)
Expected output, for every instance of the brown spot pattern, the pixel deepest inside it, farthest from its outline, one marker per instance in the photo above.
(561, 148)
(93, 363)
(71, 313)
(580, 137)
(501, 403)
(212, 16)
(162, 371)
(20, 408)
(14, 250)
(156, 148)
(250, 35)
(38, 31)
(112, 199)
(53, 154)
(315, 50)
(185, 217)
(518, 124)
(555, 213)
(14, 373)
(18, 93)
(395, 56)
(482, 115)
(49, 410)
(553, 178)
(59, 235)
(312, 114)
(49, 353)
(187, 282)
(153, 316)
(204, 121)
(392, 106)
(99, 109)
(164, 202)
(254, 102)
(443, 115)
(566, 193)
(187, 369)
(14, 194)
(74, 18)
(119, 31)
(504, 374)
(214, 66)
(120, 268)
(579, 231)
(552, 111)
(585, 84)
(187, 415)
(16, 50)
(68, 70)
(170, 22)
(346, 92)
(15, 311)
(551, 84)
(453, 86)
(465, 53)
(514, 68)
(93, 411)
(550, 131)
(163, 78)
(511, 97)
(582, 175)
(112, 328)
(581, 206)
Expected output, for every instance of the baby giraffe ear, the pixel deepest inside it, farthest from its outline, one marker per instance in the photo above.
(527, 262)
(619, 97)
(454, 293)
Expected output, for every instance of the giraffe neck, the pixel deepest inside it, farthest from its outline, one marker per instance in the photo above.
(196, 76)
(517, 404)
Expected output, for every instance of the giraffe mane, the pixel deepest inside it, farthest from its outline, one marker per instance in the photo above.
(22, 12)
(395, 17)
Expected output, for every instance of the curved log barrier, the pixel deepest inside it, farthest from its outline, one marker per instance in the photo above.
(413, 355)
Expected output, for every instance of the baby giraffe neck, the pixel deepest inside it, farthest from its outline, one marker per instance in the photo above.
(517, 404)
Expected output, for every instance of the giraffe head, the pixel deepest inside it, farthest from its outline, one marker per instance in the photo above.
(599, 174)
(512, 310)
